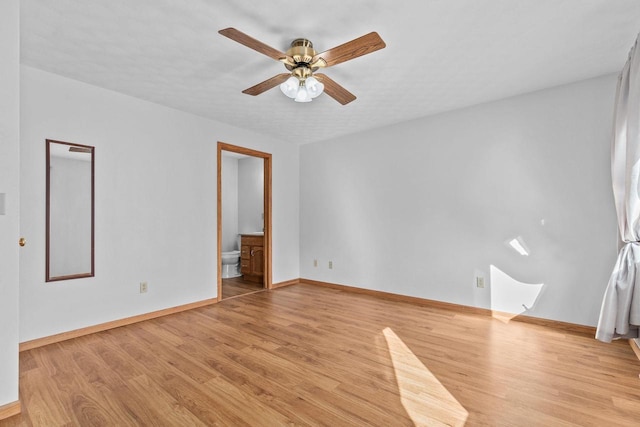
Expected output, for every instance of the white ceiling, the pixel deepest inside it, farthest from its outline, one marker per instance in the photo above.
(440, 54)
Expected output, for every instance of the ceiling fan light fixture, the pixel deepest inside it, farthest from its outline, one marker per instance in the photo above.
(314, 87)
(303, 94)
(290, 87)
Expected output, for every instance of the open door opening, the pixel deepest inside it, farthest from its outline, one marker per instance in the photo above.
(244, 221)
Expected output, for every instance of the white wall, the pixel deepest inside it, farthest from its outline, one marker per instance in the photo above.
(10, 187)
(229, 203)
(250, 194)
(155, 203)
(421, 208)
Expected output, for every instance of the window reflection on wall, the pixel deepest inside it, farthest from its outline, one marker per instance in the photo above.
(70, 211)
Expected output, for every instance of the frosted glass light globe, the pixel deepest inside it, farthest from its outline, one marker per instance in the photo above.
(290, 87)
(314, 87)
(303, 95)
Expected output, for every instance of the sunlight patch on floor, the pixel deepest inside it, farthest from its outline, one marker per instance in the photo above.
(426, 400)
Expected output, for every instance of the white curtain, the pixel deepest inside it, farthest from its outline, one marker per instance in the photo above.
(620, 313)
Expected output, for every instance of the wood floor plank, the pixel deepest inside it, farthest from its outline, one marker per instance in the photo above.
(172, 412)
(309, 355)
(237, 286)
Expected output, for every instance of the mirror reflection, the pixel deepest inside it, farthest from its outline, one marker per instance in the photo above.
(70, 210)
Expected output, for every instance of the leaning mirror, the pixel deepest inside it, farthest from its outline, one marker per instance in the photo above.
(70, 206)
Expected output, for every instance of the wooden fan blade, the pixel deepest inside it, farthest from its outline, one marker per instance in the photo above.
(252, 43)
(334, 90)
(349, 50)
(267, 84)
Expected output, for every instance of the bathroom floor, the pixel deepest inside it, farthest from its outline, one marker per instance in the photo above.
(237, 286)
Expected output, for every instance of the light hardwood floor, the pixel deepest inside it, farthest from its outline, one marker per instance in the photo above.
(308, 355)
(238, 286)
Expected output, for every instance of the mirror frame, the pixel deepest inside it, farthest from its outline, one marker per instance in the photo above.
(48, 277)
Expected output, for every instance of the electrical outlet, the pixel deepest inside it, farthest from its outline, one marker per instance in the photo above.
(479, 282)
(143, 287)
(330, 264)
(315, 262)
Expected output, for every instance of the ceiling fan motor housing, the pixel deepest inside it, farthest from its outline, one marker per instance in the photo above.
(301, 51)
(302, 71)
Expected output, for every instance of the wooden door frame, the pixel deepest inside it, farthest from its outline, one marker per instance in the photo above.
(222, 146)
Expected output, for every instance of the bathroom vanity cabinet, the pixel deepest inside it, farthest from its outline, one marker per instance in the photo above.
(252, 257)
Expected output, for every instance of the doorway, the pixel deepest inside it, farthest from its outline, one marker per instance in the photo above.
(254, 245)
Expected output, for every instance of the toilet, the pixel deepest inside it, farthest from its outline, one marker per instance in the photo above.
(230, 264)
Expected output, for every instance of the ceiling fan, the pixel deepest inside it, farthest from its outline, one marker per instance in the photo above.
(302, 83)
